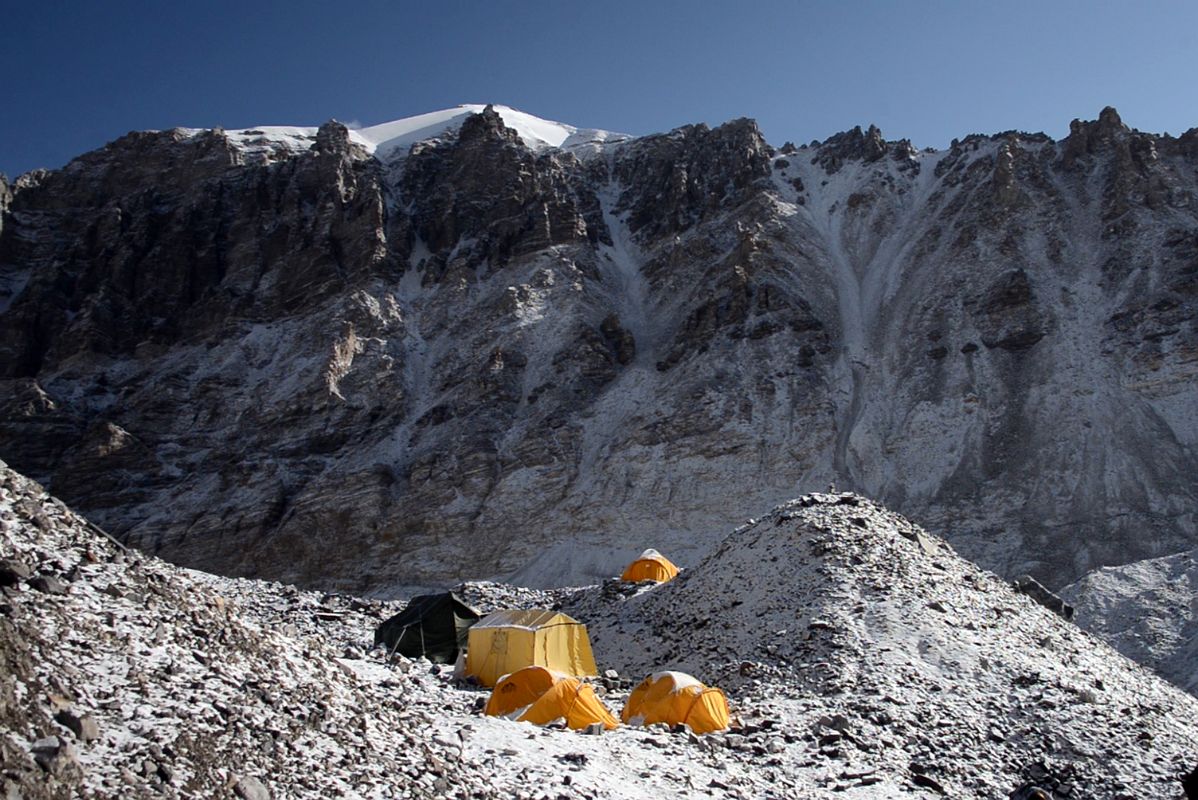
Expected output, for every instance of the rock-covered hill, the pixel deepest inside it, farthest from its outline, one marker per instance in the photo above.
(1148, 611)
(303, 354)
(917, 662)
(863, 664)
(125, 677)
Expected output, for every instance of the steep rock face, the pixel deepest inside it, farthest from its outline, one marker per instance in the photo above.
(147, 244)
(322, 366)
(677, 180)
(485, 200)
(1009, 387)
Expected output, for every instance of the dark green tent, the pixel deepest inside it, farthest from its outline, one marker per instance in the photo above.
(432, 625)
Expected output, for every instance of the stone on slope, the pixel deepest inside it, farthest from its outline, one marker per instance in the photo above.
(250, 788)
(82, 725)
(1026, 584)
(12, 572)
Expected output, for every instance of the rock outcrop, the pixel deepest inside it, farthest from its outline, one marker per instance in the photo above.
(1026, 584)
(297, 359)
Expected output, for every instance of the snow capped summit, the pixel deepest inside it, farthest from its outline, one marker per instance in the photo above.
(389, 139)
(537, 133)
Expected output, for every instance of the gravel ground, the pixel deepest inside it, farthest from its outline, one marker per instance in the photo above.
(862, 657)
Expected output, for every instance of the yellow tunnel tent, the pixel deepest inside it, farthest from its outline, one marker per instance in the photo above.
(650, 566)
(540, 696)
(505, 641)
(677, 698)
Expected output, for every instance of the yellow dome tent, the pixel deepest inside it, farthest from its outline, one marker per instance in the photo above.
(540, 696)
(650, 566)
(506, 641)
(676, 698)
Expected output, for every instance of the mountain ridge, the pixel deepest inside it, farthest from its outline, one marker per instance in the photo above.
(316, 366)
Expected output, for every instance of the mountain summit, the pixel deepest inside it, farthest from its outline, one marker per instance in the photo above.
(393, 139)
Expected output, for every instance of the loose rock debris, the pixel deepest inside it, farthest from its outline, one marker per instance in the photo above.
(140, 679)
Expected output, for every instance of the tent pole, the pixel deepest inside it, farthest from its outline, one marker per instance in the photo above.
(397, 641)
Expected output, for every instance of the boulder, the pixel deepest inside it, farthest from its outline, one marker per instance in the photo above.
(48, 584)
(13, 572)
(250, 788)
(1026, 584)
(82, 725)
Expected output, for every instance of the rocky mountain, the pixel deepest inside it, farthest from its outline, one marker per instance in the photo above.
(863, 659)
(478, 343)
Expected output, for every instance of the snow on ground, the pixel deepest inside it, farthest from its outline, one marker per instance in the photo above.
(862, 658)
(199, 686)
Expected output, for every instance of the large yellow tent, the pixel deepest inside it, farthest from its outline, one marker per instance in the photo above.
(540, 696)
(676, 698)
(506, 641)
(650, 566)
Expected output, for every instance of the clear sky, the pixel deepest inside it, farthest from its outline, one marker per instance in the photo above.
(74, 75)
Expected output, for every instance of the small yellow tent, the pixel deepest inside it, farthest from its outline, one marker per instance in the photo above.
(677, 698)
(573, 701)
(506, 641)
(540, 696)
(650, 566)
(520, 690)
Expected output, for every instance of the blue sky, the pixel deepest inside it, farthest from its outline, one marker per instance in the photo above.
(74, 75)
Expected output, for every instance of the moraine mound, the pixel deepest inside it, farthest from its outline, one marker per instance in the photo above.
(123, 676)
(886, 651)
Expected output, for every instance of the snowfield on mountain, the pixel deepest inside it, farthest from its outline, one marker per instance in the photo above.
(393, 139)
